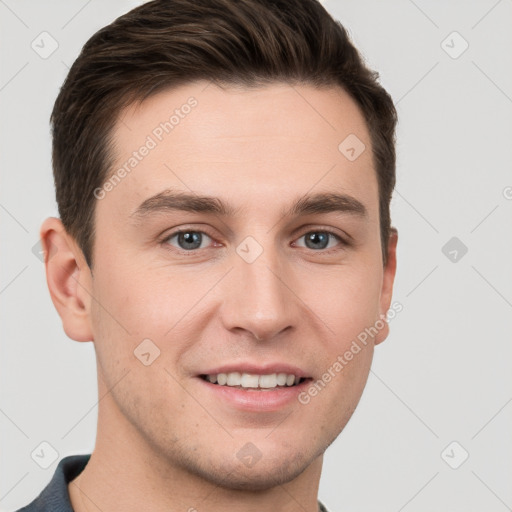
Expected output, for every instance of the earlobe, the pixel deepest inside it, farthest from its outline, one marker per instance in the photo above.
(387, 284)
(68, 278)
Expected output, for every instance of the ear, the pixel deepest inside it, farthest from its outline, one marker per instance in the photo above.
(69, 279)
(387, 285)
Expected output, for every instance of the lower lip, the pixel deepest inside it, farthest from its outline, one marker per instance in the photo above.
(248, 399)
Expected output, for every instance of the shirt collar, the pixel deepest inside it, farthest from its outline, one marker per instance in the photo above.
(55, 496)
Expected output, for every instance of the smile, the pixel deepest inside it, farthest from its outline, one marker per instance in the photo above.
(253, 380)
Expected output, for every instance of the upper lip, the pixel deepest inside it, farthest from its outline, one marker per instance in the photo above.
(258, 369)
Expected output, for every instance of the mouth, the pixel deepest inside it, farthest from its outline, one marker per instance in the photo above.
(254, 381)
(269, 387)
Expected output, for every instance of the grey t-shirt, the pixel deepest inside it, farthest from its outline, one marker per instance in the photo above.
(55, 496)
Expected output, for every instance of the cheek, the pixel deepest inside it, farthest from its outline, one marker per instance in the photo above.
(351, 313)
(346, 299)
(333, 397)
(137, 300)
(157, 303)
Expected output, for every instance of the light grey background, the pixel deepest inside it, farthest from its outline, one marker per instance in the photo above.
(444, 373)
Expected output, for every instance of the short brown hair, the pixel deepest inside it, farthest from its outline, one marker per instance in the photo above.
(166, 43)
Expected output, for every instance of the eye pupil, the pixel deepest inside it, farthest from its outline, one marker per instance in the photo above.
(187, 239)
(317, 238)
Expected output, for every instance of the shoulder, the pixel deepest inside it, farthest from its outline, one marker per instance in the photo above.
(322, 507)
(55, 496)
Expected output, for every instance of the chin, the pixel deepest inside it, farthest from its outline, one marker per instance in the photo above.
(262, 476)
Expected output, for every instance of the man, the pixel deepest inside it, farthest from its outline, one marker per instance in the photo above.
(223, 173)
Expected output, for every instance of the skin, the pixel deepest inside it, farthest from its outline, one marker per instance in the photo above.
(163, 441)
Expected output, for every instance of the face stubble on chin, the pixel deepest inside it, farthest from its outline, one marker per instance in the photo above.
(258, 150)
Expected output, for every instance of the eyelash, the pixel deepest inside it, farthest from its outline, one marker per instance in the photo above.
(165, 241)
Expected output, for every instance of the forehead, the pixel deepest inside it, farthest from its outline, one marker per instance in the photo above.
(261, 144)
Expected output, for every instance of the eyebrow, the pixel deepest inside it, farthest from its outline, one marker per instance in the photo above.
(174, 200)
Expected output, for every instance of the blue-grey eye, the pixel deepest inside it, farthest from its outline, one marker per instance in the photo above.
(320, 239)
(188, 240)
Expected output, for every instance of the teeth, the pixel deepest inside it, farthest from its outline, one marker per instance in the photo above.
(250, 380)
(281, 379)
(268, 381)
(234, 379)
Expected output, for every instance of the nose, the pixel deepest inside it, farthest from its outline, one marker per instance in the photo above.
(258, 298)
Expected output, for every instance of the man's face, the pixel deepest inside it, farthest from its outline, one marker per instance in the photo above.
(259, 290)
